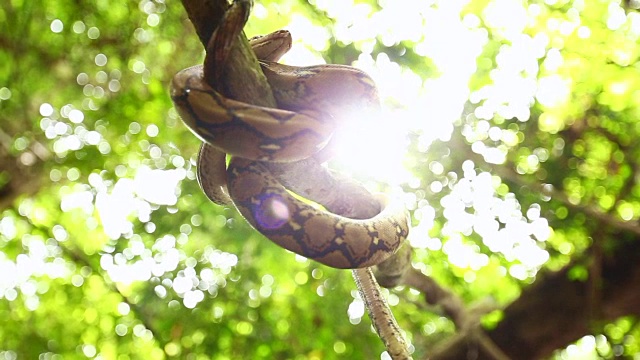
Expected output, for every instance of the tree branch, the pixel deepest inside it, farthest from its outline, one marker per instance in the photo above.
(243, 80)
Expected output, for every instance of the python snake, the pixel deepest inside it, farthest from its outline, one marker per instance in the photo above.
(326, 237)
(311, 101)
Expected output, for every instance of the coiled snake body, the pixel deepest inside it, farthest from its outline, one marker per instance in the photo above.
(311, 101)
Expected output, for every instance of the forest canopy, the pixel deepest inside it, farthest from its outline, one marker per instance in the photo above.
(509, 129)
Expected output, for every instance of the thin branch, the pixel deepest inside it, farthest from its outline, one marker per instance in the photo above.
(435, 294)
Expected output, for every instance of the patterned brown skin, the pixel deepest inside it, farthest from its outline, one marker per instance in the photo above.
(211, 173)
(311, 100)
(244, 130)
(212, 166)
(322, 236)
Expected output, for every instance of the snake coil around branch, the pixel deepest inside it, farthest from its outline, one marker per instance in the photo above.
(309, 99)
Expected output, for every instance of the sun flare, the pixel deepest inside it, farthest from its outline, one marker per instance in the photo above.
(370, 146)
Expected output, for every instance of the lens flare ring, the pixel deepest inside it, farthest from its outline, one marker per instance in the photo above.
(271, 211)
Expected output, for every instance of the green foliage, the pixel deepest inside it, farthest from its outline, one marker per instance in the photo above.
(86, 125)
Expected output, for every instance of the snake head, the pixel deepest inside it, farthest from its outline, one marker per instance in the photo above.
(271, 47)
(336, 90)
(344, 91)
(354, 95)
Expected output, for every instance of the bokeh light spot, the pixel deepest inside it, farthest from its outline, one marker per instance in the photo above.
(57, 26)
